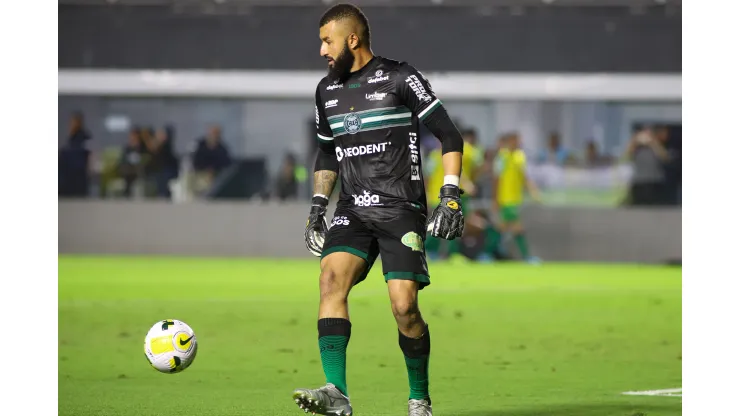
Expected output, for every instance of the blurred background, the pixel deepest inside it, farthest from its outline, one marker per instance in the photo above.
(186, 126)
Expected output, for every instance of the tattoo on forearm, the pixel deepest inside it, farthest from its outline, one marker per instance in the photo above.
(323, 182)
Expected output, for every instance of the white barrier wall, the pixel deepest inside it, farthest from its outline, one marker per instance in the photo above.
(273, 230)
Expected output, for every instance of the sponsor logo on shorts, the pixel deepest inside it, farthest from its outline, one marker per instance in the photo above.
(367, 199)
(368, 149)
(341, 220)
(413, 241)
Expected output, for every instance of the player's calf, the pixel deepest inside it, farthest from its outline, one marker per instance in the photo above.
(413, 338)
(338, 272)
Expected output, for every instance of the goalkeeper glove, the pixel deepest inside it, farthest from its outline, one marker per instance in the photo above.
(447, 219)
(316, 226)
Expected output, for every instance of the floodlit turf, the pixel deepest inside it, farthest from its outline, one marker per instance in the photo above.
(507, 340)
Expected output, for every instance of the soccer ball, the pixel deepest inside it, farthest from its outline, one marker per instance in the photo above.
(170, 346)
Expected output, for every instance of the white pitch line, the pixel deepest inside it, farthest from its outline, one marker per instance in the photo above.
(665, 392)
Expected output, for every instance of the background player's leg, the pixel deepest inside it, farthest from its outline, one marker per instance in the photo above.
(517, 229)
(521, 242)
(338, 273)
(431, 246)
(454, 251)
(413, 335)
(491, 240)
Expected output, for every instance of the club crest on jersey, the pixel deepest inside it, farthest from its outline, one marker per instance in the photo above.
(352, 123)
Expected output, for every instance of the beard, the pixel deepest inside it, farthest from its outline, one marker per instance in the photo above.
(340, 71)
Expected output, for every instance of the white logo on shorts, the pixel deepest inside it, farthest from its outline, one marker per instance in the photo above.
(341, 220)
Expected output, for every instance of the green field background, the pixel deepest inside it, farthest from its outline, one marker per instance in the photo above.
(507, 339)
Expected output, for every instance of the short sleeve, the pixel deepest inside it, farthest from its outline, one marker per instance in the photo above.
(416, 92)
(323, 131)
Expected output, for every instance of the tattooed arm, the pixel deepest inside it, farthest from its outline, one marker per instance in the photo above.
(325, 177)
(324, 181)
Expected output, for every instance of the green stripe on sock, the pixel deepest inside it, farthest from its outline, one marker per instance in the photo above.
(333, 349)
(418, 371)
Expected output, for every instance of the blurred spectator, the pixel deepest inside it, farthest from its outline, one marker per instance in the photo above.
(211, 155)
(163, 166)
(287, 180)
(132, 162)
(648, 156)
(593, 158)
(484, 182)
(670, 138)
(472, 162)
(74, 160)
(555, 153)
(78, 134)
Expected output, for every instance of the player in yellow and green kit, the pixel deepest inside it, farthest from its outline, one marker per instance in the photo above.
(472, 161)
(510, 181)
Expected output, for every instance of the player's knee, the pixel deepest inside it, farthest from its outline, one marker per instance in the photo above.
(333, 285)
(405, 310)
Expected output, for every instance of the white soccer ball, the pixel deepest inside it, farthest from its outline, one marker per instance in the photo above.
(170, 346)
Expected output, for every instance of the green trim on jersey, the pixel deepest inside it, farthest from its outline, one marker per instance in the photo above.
(424, 113)
(372, 119)
(322, 138)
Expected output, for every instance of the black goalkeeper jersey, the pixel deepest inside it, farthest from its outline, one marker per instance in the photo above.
(372, 121)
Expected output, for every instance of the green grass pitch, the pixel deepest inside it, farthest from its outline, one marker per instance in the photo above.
(507, 340)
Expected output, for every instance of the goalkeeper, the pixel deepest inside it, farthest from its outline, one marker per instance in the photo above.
(368, 111)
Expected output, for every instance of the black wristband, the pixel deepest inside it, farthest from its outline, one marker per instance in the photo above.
(319, 200)
(450, 191)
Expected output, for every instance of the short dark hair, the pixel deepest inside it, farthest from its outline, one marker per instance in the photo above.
(348, 11)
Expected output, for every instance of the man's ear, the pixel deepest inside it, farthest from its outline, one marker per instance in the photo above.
(353, 41)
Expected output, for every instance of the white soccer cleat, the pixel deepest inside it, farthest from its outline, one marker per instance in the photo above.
(327, 400)
(420, 407)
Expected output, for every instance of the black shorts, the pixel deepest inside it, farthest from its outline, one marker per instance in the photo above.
(399, 242)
